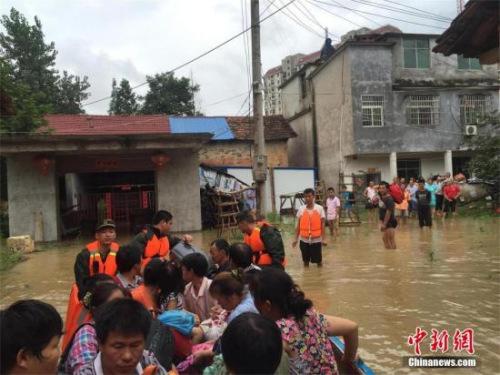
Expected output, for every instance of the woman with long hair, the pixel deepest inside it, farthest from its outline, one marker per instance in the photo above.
(304, 331)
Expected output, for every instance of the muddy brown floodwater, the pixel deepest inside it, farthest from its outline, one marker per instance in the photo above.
(444, 278)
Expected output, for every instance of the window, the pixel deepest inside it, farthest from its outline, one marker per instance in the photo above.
(408, 168)
(416, 53)
(472, 108)
(422, 110)
(469, 63)
(372, 107)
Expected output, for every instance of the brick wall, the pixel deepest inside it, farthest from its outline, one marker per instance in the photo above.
(239, 154)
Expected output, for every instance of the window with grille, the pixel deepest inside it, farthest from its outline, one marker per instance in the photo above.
(472, 108)
(416, 53)
(468, 63)
(372, 107)
(422, 110)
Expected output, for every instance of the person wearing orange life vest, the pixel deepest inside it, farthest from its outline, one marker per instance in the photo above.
(310, 230)
(264, 240)
(155, 240)
(98, 256)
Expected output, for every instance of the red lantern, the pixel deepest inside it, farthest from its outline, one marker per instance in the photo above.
(43, 164)
(159, 160)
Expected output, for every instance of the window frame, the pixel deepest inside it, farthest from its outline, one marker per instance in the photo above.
(468, 59)
(371, 107)
(486, 100)
(436, 101)
(416, 52)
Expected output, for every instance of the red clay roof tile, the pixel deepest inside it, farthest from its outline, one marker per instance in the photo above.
(106, 125)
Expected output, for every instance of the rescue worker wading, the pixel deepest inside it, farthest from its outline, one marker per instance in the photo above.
(155, 241)
(264, 240)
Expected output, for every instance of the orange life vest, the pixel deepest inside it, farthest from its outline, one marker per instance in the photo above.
(142, 295)
(96, 265)
(310, 224)
(156, 247)
(76, 315)
(261, 256)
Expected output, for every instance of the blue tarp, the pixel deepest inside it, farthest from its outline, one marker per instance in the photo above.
(216, 125)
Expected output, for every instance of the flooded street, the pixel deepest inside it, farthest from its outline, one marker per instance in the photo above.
(447, 278)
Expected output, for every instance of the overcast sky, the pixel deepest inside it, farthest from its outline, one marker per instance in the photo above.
(134, 38)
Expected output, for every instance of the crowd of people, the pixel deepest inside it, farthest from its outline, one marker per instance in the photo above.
(426, 199)
(140, 308)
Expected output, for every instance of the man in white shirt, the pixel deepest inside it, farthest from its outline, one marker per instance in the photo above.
(310, 230)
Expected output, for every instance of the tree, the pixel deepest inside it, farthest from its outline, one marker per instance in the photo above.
(22, 109)
(70, 93)
(31, 60)
(123, 99)
(485, 161)
(29, 78)
(170, 95)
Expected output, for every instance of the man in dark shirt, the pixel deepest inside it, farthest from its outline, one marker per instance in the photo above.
(423, 198)
(98, 256)
(386, 215)
(219, 252)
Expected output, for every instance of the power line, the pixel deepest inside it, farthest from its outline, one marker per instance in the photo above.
(226, 99)
(301, 24)
(399, 10)
(379, 15)
(336, 15)
(360, 15)
(420, 10)
(204, 53)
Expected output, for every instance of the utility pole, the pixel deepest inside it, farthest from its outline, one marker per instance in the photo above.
(259, 167)
(326, 32)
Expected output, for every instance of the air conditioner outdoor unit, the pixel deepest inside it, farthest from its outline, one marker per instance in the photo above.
(471, 130)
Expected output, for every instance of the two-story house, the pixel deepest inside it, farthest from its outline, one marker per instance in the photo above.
(385, 105)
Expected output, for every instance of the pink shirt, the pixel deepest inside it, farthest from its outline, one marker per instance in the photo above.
(199, 303)
(331, 207)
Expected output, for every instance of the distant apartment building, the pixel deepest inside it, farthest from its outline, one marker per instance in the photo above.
(274, 77)
(385, 105)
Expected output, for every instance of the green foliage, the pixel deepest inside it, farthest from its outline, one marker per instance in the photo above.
(170, 95)
(485, 162)
(70, 94)
(32, 61)
(123, 99)
(9, 259)
(22, 107)
(31, 86)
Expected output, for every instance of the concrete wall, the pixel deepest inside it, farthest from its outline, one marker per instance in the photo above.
(239, 154)
(377, 163)
(178, 190)
(301, 148)
(74, 188)
(431, 165)
(333, 106)
(441, 67)
(31, 193)
(373, 74)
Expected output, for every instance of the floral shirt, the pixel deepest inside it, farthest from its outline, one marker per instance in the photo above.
(308, 340)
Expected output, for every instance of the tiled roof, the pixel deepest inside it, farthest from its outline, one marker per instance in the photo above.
(310, 58)
(272, 71)
(106, 125)
(275, 128)
(387, 29)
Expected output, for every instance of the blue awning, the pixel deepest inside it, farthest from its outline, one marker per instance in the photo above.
(216, 125)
